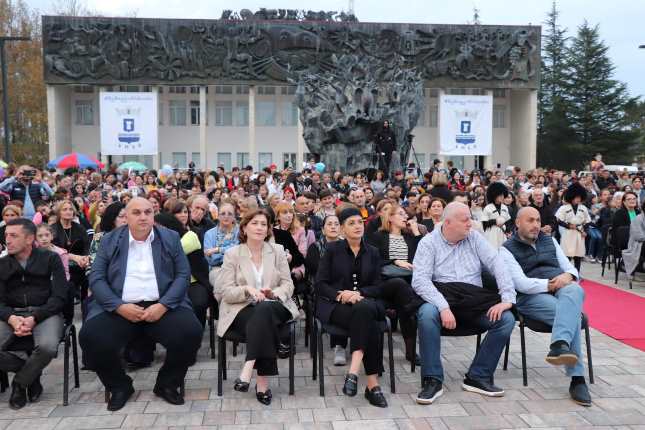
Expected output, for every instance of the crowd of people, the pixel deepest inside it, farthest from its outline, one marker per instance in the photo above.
(147, 256)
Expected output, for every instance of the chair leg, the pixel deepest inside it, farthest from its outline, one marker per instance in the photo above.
(390, 351)
(616, 270)
(77, 382)
(66, 372)
(314, 350)
(589, 360)
(307, 327)
(413, 363)
(292, 347)
(211, 332)
(523, 346)
(321, 372)
(234, 350)
(107, 395)
(224, 373)
(508, 346)
(220, 365)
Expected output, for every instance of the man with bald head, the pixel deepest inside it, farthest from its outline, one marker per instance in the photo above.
(447, 275)
(139, 281)
(545, 281)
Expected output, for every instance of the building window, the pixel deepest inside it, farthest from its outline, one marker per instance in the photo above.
(194, 112)
(224, 160)
(195, 90)
(289, 159)
(242, 159)
(160, 90)
(241, 89)
(499, 116)
(478, 92)
(242, 114)
(147, 89)
(434, 116)
(197, 159)
(160, 113)
(434, 93)
(288, 91)
(177, 110)
(84, 89)
(177, 90)
(223, 89)
(423, 114)
(266, 91)
(265, 113)
(84, 112)
(457, 161)
(265, 159)
(499, 93)
(289, 114)
(223, 113)
(179, 160)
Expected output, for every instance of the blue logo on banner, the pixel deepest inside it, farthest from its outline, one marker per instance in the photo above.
(465, 127)
(128, 136)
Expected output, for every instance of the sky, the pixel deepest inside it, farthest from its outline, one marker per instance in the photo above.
(621, 21)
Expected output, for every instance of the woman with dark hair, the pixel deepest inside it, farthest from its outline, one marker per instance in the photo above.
(627, 212)
(254, 292)
(430, 211)
(573, 218)
(113, 217)
(495, 214)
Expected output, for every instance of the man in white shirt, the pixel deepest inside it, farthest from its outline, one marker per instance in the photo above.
(139, 282)
(548, 291)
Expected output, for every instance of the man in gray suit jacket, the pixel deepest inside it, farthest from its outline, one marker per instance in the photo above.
(138, 282)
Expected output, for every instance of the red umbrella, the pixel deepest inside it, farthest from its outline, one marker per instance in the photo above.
(75, 160)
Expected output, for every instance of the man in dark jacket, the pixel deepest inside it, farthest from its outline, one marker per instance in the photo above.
(33, 292)
(547, 216)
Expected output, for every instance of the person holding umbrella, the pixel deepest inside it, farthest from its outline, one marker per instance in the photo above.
(26, 186)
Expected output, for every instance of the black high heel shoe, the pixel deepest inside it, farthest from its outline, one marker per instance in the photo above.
(263, 397)
(241, 386)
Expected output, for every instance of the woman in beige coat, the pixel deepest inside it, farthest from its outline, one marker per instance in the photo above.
(254, 291)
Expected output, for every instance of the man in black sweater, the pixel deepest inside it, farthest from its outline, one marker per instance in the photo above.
(33, 292)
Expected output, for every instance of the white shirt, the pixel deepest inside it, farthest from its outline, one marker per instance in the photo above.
(140, 280)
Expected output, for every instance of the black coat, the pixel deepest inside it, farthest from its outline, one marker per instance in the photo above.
(621, 218)
(381, 240)
(284, 238)
(335, 274)
(443, 192)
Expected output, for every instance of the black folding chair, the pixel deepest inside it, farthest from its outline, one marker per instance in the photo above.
(213, 314)
(26, 345)
(608, 250)
(318, 362)
(288, 329)
(620, 240)
(540, 327)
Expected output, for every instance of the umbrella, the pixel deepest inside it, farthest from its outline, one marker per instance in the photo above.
(3, 164)
(133, 165)
(74, 159)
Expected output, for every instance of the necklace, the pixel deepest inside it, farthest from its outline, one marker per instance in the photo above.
(68, 236)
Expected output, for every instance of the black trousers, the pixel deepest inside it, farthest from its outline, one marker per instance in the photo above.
(362, 321)
(261, 324)
(104, 336)
(200, 298)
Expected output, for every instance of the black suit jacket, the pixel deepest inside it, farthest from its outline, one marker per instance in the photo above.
(381, 240)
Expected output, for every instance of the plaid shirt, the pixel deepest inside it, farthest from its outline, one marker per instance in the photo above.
(437, 260)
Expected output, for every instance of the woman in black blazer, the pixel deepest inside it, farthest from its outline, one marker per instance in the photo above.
(623, 216)
(350, 294)
(397, 242)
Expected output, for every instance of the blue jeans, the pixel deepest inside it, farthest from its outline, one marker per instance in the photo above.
(485, 361)
(595, 244)
(562, 311)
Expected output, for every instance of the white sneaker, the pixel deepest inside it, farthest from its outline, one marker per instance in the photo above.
(339, 356)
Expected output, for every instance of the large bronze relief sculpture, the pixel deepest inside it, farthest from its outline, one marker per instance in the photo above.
(329, 56)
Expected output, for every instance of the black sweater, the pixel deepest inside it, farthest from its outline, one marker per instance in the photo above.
(42, 283)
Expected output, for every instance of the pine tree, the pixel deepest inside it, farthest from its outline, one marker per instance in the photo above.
(595, 101)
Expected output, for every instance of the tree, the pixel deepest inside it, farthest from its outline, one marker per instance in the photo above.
(596, 102)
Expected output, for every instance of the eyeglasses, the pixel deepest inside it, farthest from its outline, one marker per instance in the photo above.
(226, 214)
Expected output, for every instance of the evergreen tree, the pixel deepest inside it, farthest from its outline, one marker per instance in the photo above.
(596, 102)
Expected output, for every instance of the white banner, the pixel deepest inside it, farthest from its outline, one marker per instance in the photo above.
(129, 123)
(466, 125)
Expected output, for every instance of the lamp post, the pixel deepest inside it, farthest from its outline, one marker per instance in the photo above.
(5, 93)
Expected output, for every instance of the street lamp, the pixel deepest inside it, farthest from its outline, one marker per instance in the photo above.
(5, 93)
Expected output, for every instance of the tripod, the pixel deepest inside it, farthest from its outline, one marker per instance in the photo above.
(410, 138)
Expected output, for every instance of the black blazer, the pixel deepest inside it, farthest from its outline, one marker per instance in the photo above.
(284, 238)
(335, 274)
(621, 218)
(381, 240)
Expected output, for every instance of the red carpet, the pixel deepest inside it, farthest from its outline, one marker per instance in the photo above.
(616, 313)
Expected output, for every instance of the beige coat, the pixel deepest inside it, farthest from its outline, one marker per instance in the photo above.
(237, 274)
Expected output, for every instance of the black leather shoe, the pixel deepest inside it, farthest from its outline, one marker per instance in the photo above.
(169, 394)
(580, 392)
(241, 386)
(375, 397)
(431, 390)
(35, 390)
(350, 388)
(484, 388)
(118, 398)
(18, 398)
(263, 397)
(561, 354)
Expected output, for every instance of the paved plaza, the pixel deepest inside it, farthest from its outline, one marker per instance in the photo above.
(618, 394)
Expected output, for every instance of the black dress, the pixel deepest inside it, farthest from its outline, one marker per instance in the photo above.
(75, 241)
